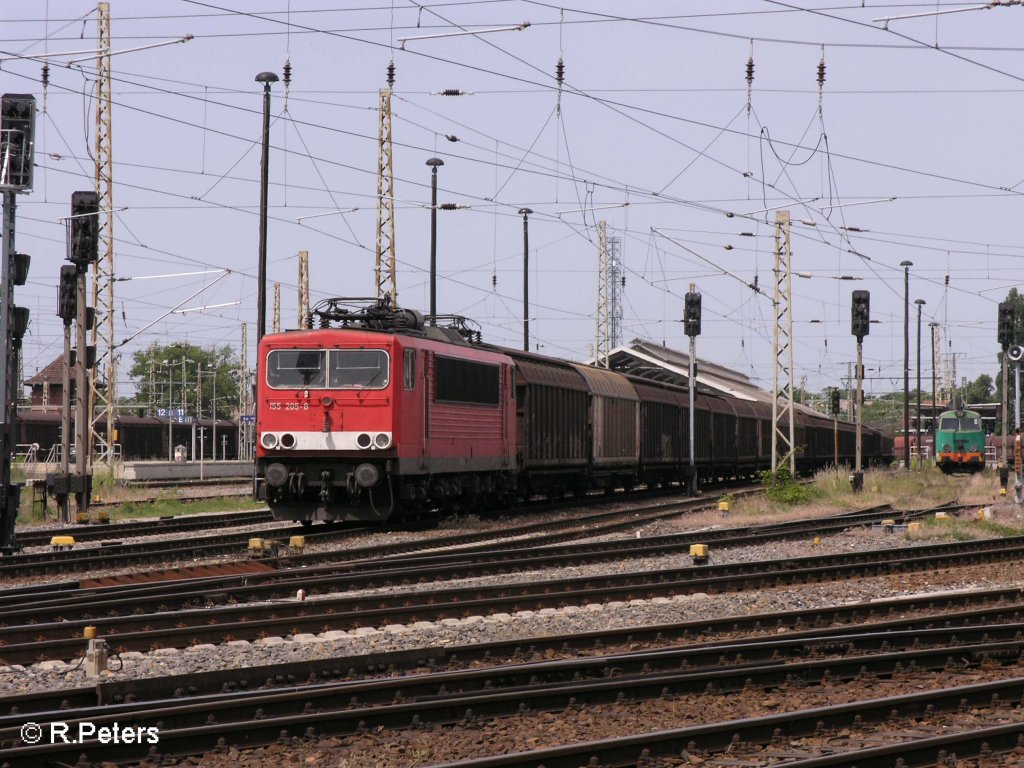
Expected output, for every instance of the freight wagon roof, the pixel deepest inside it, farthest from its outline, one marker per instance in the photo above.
(539, 370)
(607, 383)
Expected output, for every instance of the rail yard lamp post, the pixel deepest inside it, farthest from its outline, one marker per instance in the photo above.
(906, 363)
(917, 430)
(526, 277)
(213, 407)
(935, 447)
(261, 289)
(434, 163)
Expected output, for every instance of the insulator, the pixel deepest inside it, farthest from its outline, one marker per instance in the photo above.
(559, 71)
(821, 73)
(46, 75)
(750, 71)
(448, 206)
(451, 92)
(391, 73)
(288, 72)
(494, 280)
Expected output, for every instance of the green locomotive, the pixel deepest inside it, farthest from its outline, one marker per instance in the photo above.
(960, 442)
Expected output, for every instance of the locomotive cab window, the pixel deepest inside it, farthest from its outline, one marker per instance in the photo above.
(296, 368)
(358, 369)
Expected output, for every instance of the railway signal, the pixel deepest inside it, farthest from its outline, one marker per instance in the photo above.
(860, 325)
(691, 314)
(84, 244)
(17, 131)
(1005, 326)
(860, 311)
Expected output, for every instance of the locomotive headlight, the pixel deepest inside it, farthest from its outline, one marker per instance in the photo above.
(366, 475)
(363, 440)
(268, 440)
(382, 440)
(287, 440)
(946, 447)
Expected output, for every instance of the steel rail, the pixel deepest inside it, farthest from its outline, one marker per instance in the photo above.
(346, 708)
(29, 642)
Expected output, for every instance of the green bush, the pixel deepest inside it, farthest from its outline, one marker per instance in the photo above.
(781, 488)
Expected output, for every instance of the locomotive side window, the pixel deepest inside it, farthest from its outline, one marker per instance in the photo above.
(465, 381)
(296, 368)
(358, 369)
(409, 368)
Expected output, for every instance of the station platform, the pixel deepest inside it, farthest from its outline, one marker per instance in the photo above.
(155, 471)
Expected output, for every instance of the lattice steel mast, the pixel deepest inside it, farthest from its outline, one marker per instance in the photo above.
(103, 269)
(602, 321)
(615, 285)
(385, 262)
(275, 323)
(244, 399)
(303, 287)
(782, 385)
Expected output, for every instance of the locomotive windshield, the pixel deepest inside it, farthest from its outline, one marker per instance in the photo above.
(327, 369)
(358, 369)
(296, 368)
(952, 423)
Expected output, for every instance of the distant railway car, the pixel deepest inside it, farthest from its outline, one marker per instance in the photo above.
(960, 442)
(376, 415)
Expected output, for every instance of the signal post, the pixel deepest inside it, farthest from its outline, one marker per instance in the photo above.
(691, 325)
(860, 325)
(17, 131)
(1004, 332)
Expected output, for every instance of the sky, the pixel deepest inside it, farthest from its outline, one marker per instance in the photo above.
(908, 151)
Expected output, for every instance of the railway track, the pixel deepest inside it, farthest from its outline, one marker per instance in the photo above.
(155, 527)
(963, 618)
(116, 554)
(58, 636)
(827, 657)
(375, 567)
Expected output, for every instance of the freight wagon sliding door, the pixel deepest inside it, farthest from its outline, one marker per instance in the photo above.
(552, 417)
(615, 412)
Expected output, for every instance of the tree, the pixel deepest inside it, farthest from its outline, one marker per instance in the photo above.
(979, 391)
(182, 375)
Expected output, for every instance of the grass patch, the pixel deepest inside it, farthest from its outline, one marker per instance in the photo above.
(142, 504)
(902, 490)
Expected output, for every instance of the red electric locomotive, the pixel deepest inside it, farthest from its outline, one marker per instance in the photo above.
(360, 422)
